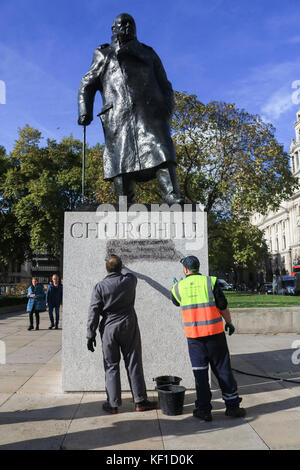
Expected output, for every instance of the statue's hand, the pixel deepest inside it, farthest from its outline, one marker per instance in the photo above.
(84, 120)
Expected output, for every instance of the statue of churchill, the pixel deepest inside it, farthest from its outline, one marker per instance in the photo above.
(137, 108)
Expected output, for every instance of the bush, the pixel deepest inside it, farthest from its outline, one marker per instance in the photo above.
(8, 300)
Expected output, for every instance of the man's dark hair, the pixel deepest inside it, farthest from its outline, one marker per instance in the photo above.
(114, 264)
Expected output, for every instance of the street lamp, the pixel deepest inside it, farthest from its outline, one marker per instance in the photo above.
(291, 264)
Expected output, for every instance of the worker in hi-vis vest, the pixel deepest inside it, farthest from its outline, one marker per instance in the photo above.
(204, 306)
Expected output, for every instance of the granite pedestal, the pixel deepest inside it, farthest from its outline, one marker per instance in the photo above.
(151, 249)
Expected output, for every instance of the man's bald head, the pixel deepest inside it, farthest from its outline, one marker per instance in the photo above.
(124, 28)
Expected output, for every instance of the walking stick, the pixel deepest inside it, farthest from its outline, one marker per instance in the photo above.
(83, 165)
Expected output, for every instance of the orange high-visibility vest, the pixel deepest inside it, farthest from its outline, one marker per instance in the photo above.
(200, 315)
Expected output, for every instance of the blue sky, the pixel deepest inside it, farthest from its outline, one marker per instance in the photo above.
(241, 51)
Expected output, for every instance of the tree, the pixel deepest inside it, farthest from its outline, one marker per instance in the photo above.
(235, 245)
(228, 158)
(13, 241)
(41, 183)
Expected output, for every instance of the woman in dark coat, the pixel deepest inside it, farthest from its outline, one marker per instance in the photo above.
(36, 302)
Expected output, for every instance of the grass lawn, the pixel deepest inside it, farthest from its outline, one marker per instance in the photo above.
(238, 300)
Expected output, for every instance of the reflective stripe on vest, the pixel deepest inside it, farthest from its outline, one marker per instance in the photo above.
(200, 315)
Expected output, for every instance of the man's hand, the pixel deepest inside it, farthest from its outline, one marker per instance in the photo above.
(84, 120)
(229, 326)
(91, 344)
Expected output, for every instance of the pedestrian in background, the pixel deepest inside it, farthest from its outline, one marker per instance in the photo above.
(54, 300)
(36, 302)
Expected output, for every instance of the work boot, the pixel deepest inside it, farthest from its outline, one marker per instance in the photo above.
(146, 405)
(110, 409)
(205, 415)
(235, 412)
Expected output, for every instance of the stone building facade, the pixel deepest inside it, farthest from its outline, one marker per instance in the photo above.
(41, 266)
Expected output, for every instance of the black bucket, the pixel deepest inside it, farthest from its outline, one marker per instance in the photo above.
(167, 380)
(171, 399)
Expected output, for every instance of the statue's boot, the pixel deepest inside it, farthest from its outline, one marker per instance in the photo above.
(168, 184)
(125, 186)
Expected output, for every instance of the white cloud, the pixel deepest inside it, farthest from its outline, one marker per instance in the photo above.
(268, 88)
(292, 40)
(278, 103)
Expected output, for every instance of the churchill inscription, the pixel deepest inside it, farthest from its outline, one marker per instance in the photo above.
(142, 225)
(150, 250)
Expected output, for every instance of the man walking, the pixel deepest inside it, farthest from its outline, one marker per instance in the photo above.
(54, 300)
(203, 306)
(113, 299)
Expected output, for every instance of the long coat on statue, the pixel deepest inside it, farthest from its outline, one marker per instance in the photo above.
(137, 107)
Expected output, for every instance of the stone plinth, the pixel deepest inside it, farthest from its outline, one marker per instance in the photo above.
(153, 256)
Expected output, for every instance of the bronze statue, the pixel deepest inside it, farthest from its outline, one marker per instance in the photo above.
(137, 107)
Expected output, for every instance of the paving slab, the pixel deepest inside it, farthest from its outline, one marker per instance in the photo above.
(4, 397)
(279, 430)
(43, 385)
(14, 370)
(49, 370)
(185, 432)
(11, 384)
(93, 428)
(34, 353)
(36, 421)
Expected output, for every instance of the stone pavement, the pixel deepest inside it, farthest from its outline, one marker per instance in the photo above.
(36, 414)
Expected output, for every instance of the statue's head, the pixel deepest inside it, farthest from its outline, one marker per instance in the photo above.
(124, 28)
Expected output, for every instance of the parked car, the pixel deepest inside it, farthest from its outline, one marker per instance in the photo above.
(287, 285)
(224, 285)
(268, 288)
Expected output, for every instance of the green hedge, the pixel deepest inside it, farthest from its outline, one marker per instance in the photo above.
(8, 300)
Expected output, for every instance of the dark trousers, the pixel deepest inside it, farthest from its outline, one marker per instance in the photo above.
(37, 317)
(123, 336)
(51, 307)
(212, 350)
